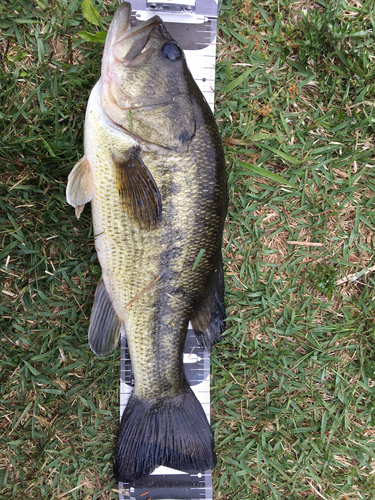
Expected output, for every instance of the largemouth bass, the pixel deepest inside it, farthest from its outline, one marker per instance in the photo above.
(154, 172)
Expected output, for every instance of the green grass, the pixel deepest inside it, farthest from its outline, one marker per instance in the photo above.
(293, 393)
(293, 379)
(58, 402)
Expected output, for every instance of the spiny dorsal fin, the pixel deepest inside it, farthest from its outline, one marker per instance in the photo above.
(139, 194)
(80, 189)
(105, 325)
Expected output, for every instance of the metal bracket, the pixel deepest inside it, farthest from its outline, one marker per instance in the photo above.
(171, 6)
(181, 7)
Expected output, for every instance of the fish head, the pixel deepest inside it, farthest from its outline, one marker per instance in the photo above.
(145, 82)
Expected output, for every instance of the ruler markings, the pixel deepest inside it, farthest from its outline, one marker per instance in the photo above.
(205, 78)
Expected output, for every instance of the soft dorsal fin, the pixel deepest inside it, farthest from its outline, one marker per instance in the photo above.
(208, 321)
(105, 325)
(80, 188)
(139, 194)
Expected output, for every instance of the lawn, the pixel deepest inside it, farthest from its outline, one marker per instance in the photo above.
(293, 381)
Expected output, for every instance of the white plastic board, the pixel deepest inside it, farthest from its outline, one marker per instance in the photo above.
(193, 24)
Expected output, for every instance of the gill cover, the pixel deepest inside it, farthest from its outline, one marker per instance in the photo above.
(144, 88)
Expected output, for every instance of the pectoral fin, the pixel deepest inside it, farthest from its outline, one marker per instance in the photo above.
(80, 188)
(105, 325)
(139, 195)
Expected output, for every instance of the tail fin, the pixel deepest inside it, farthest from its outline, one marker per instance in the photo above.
(173, 432)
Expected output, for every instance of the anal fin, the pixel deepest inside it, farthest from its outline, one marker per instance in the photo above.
(208, 320)
(105, 325)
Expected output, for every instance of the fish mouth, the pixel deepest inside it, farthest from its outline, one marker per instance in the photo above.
(126, 44)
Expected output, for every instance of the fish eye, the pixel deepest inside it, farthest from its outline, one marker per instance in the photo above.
(171, 51)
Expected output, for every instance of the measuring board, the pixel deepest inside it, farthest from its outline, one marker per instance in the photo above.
(193, 24)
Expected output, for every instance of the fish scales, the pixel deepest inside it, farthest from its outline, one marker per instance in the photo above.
(128, 273)
(154, 173)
